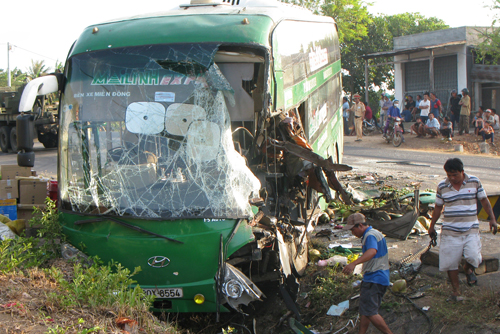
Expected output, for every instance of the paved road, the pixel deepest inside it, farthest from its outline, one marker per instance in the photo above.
(429, 164)
(45, 160)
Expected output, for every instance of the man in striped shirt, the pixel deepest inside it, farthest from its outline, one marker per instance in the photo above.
(375, 261)
(457, 198)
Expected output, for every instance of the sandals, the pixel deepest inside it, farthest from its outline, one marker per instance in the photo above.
(471, 278)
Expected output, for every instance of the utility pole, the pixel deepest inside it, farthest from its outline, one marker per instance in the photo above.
(8, 65)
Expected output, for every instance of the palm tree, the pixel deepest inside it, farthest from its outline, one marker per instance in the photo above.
(59, 68)
(18, 78)
(37, 69)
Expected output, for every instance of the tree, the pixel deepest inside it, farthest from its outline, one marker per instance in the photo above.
(488, 51)
(361, 33)
(312, 5)
(352, 18)
(380, 37)
(37, 69)
(381, 34)
(17, 78)
(59, 67)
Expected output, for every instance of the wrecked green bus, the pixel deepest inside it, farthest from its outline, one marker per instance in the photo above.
(197, 144)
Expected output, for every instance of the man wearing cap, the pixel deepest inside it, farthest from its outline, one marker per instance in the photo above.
(359, 114)
(487, 117)
(375, 260)
(464, 112)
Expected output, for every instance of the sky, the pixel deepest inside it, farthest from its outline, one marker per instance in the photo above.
(47, 32)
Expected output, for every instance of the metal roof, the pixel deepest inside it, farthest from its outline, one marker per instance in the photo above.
(410, 50)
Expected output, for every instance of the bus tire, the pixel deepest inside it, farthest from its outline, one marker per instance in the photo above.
(13, 139)
(26, 159)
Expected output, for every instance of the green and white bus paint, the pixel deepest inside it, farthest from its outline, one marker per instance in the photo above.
(194, 143)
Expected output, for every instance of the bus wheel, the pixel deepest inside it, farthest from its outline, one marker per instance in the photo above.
(4, 138)
(13, 139)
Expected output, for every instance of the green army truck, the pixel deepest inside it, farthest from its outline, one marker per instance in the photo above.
(44, 125)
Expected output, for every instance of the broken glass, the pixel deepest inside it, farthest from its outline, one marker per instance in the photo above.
(146, 133)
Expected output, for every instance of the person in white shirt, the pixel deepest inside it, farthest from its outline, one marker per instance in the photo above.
(432, 126)
(496, 120)
(425, 107)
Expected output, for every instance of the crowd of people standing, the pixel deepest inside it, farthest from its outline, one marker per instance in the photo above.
(427, 113)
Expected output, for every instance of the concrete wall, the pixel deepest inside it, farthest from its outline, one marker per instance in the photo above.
(469, 35)
(431, 38)
(462, 68)
(459, 50)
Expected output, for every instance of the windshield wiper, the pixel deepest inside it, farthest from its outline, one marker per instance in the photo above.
(133, 227)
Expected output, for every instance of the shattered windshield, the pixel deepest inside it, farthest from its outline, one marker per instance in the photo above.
(146, 133)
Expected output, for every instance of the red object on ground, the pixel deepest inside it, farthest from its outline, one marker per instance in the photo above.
(52, 188)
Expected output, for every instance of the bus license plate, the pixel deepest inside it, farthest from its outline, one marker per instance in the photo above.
(164, 293)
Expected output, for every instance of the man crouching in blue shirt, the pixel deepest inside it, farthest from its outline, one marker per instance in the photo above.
(375, 261)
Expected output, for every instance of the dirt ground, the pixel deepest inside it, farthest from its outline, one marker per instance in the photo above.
(470, 142)
(480, 313)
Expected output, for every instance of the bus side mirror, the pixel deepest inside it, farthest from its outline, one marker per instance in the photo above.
(39, 86)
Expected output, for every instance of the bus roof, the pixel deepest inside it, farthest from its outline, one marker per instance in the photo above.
(221, 23)
(274, 9)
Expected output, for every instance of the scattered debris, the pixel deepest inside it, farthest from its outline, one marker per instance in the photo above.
(399, 286)
(338, 310)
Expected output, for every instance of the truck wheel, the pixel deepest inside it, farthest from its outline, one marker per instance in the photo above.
(13, 139)
(5, 139)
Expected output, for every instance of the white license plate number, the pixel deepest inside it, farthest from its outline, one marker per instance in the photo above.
(164, 293)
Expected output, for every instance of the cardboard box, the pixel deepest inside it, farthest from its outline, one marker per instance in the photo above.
(8, 208)
(32, 191)
(25, 211)
(9, 172)
(9, 189)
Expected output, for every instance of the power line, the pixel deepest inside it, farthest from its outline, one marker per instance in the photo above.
(32, 52)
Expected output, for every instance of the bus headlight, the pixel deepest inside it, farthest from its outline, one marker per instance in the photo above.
(199, 299)
(237, 289)
(232, 289)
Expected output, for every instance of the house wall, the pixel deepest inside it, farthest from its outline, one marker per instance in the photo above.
(431, 38)
(399, 69)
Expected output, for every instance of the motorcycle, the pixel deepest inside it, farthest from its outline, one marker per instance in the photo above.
(370, 127)
(394, 132)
